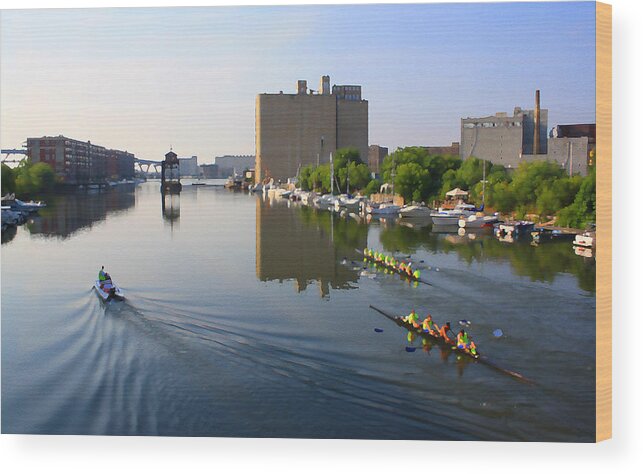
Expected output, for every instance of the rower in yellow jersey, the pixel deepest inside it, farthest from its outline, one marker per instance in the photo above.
(428, 325)
(466, 343)
(413, 319)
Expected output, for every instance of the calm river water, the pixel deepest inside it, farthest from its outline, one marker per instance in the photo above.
(247, 317)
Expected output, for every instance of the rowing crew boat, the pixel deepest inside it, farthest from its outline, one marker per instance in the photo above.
(427, 335)
(478, 357)
(394, 269)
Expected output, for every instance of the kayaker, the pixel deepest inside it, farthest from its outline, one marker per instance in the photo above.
(428, 325)
(465, 343)
(443, 332)
(102, 275)
(416, 274)
(413, 319)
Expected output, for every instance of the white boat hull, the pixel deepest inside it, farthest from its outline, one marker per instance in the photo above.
(105, 292)
(415, 211)
(477, 222)
(445, 220)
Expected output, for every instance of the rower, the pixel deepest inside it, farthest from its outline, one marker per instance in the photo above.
(428, 325)
(416, 274)
(412, 318)
(443, 332)
(465, 343)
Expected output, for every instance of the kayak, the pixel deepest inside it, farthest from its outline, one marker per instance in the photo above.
(108, 290)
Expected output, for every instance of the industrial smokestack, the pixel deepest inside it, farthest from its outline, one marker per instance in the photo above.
(324, 85)
(537, 124)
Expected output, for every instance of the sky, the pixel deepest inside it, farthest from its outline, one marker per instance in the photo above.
(147, 79)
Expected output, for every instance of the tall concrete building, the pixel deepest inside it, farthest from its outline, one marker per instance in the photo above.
(294, 130)
(503, 139)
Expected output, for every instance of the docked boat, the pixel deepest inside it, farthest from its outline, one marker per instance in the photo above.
(586, 239)
(514, 228)
(541, 234)
(348, 203)
(477, 221)
(12, 216)
(414, 211)
(383, 210)
(107, 290)
(451, 217)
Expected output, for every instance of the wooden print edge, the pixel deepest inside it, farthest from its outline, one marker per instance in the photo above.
(603, 221)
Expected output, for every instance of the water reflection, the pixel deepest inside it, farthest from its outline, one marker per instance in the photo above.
(171, 207)
(539, 263)
(307, 246)
(67, 214)
(9, 233)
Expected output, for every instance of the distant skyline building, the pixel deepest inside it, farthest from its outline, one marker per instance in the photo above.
(294, 130)
(189, 166)
(78, 162)
(229, 164)
(376, 155)
(209, 170)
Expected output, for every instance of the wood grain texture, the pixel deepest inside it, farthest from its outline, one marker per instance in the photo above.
(603, 221)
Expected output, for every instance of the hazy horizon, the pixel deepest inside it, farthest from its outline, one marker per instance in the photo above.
(145, 79)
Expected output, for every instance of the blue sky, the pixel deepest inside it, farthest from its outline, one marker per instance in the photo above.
(145, 79)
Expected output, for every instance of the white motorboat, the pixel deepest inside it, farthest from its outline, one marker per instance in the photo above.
(346, 202)
(415, 211)
(446, 217)
(384, 209)
(477, 221)
(108, 290)
(586, 239)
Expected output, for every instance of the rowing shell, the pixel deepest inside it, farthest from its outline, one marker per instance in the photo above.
(400, 322)
(478, 357)
(396, 270)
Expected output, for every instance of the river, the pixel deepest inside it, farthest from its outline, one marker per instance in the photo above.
(247, 317)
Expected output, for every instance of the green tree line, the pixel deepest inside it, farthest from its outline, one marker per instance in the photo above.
(27, 178)
(539, 187)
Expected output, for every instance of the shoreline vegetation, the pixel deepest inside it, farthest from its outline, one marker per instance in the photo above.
(540, 188)
(28, 179)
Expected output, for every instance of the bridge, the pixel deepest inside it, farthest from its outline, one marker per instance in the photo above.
(144, 165)
(13, 151)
